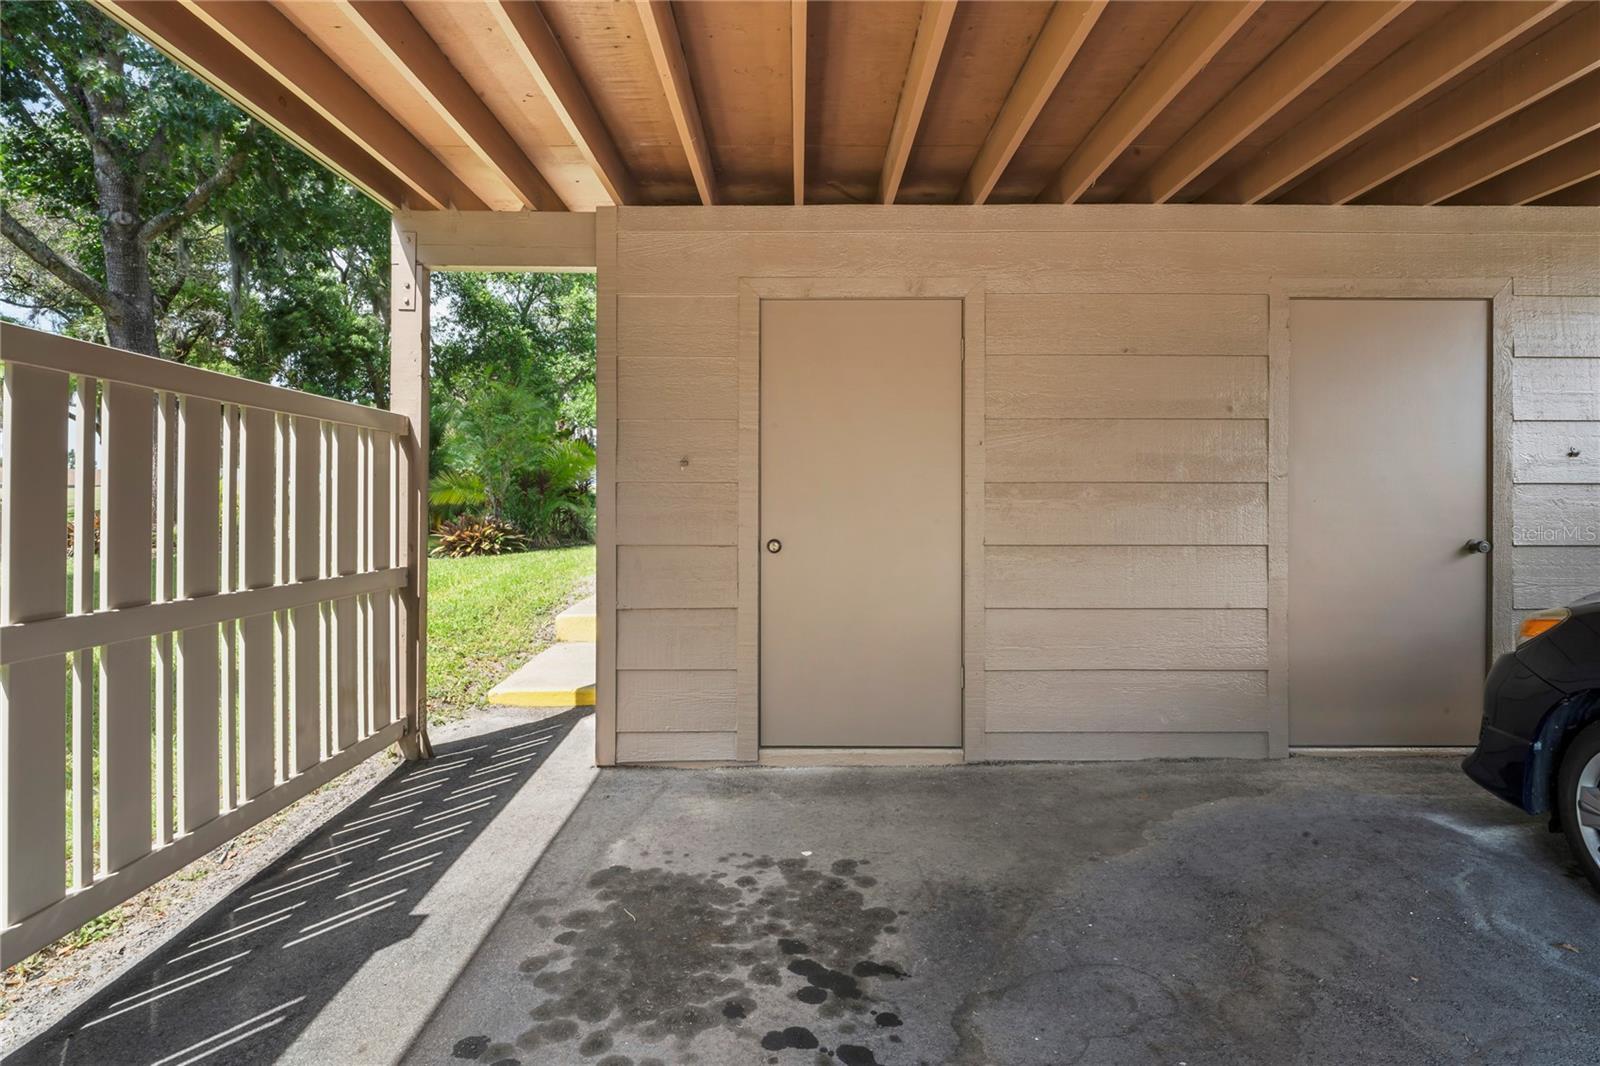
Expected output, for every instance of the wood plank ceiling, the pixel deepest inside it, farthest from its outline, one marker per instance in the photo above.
(513, 104)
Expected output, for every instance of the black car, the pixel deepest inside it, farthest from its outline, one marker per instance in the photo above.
(1540, 743)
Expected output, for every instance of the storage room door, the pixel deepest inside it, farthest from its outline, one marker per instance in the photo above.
(860, 523)
(1388, 484)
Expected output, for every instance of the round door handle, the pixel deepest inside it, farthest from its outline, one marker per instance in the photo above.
(1480, 547)
(774, 545)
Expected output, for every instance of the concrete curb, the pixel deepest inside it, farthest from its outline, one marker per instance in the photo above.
(378, 1013)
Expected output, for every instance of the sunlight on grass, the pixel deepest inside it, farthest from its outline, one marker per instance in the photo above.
(484, 617)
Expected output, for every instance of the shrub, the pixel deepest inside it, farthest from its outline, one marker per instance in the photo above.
(477, 536)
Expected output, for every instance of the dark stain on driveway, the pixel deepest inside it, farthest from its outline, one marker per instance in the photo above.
(658, 954)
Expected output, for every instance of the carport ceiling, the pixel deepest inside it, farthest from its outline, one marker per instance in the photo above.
(512, 104)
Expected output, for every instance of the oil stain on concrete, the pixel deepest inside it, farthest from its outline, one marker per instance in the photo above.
(770, 952)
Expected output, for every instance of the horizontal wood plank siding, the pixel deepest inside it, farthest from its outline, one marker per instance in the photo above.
(676, 577)
(1127, 386)
(1556, 514)
(1125, 323)
(685, 701)
(1067, 513)
(1126, 449)
(678, 327)
(1137, 701)
(1125, 576)
(1555, 390)
(649, 513)
(686, 450)
(1557, 327)
(1071, 639)
(676, 747)
(677, 388)
(1555, 453)
(676, 639)
(1552, 577)
(1100, 747)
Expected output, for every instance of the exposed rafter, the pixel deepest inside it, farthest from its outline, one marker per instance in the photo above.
(1417, 68)
(1188, 48)
(1064, 32)
(262, 32)
(932, 31)
(414, 55)
(1553, 59)
(1562, 116)
(797, 95)
(537, 47)
(177, 32)
(666, 50)
(1583, 194)
(1325, 39)
(1574, 162)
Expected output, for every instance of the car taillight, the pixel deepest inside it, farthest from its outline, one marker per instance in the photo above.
(1543, 622)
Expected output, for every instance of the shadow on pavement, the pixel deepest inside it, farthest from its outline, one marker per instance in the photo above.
(243, 981)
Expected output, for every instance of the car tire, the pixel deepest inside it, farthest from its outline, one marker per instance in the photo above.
(1578, 782)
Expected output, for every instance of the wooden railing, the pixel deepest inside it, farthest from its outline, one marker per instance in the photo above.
(240, 634)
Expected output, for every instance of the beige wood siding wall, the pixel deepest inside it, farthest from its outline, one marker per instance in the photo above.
(1131, 582)
(1555, 460)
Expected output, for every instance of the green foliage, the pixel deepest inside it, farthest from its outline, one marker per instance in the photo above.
(502, 448)
(465, 537)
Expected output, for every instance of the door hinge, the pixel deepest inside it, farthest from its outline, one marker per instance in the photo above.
(963, 679)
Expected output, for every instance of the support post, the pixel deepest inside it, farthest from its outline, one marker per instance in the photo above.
(408, 395)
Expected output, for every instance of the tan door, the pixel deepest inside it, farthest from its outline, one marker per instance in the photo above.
(861, 497)
(1388, 481)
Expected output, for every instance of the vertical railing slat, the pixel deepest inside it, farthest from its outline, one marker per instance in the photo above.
(230, 631)
(83, 551)
(343, 646)
(33, 571)
(380, 533)
(257, 557)
(283, 573)
(127, 428)
(305, 624)
(166, 506)
(199, 557)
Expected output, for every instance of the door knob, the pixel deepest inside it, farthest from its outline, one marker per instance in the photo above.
(1480, 547)
(774, 545)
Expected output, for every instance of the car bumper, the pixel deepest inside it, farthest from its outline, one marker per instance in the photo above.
(1507, 762)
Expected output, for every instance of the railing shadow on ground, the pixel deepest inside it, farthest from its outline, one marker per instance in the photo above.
(244, 980)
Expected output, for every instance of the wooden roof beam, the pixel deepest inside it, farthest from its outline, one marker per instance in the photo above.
(262, 32)
(395, 32)
(1564, 115)
(1574, 162)
(535, 43)
(1554, 59)
(1319, 45)
(196, 46)
(1188, 48)
(1063, 33)
(1415, 69)
(925, 53)
(797, 95)
(672, 67)
(1583, 194)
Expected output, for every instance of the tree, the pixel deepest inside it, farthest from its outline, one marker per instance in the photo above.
(114, 150)
(535, 331)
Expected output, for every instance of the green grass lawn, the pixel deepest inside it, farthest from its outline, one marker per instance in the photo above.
(485, 617)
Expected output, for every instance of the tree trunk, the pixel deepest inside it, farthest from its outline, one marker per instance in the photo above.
(131, 324)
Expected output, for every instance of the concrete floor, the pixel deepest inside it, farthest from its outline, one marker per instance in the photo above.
(1314, 910)
(1311, 910)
